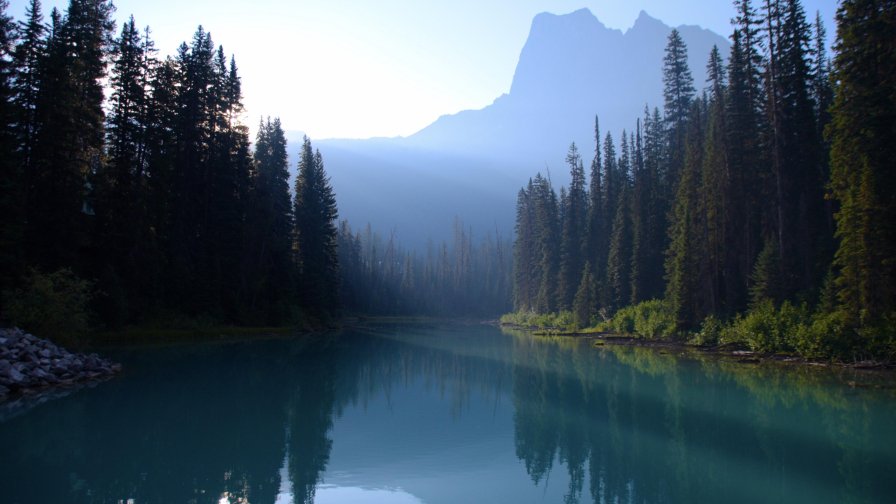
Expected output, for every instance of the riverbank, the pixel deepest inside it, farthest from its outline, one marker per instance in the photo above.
(30, 365)
(735, 352)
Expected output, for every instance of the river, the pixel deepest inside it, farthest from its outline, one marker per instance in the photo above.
(451, 413)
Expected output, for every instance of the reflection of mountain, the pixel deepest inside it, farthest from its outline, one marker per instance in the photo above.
(472, 163)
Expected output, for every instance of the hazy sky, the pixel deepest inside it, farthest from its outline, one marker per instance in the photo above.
(361, 68)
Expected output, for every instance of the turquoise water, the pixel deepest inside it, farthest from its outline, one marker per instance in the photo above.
(451, 414)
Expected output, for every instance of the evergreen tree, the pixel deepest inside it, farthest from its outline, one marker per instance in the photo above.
(574, 225)
(640, 204)
(585, 299)
(619, 255)
(547, 226)
(678, 92)
(315, 234)
(609, 199)
(682, 258)
(765, 280)
(801, 211)
(525, 254)
(862, 151)
(11, 182)
(267, 262)
(744, 123)
(190, 275)
(28, 56)
(69, 139)
(597, 234)
(715, 188)
(655, 191)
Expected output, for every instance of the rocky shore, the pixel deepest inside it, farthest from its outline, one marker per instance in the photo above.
(29, 364)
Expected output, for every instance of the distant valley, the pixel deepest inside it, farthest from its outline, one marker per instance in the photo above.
(470, 165)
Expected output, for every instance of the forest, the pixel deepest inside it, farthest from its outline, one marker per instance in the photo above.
(131, 194)
(758, 211)
(755, 209)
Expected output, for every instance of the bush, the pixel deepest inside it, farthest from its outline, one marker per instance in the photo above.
(710, 332)
(823, 337)
(650, 319)
(766, 329)
(52, 306)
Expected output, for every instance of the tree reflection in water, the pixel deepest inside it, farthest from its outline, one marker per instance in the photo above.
(228, 422)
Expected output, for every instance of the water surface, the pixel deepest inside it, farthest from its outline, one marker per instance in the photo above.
(450, 414)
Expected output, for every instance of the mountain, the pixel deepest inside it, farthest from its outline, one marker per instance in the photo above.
(472, 164)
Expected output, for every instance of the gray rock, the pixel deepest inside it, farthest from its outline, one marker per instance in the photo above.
(40, 374)
(44, 353)
(15, 375)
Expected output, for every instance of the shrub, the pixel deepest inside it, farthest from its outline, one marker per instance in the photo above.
(710, 332)
(823, 337)
(52, 306)
(766, 329)
(650, 319)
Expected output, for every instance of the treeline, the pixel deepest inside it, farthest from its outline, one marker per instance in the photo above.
(154, 192)
(771, 188)
(463, 278)
(131, 179)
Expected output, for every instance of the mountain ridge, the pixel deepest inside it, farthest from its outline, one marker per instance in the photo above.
(470, 164)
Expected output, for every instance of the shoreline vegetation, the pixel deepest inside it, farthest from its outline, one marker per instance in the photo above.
(790, 334)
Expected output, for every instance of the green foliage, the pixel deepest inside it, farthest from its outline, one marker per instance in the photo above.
(862, 151)
(767, 329)
(585, 300)
(561, 321)
(53, 306)
(766, 272)
(710, 332)
(652, 319)
(823, 336)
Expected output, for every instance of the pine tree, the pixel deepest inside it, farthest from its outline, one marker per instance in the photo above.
(190, 274)
(585, 299)
(525, 255)
(862, 152)
(315, 234)
(28, 56)
(747, 168)
(619, 255)
(678, 92)
(801, 209)
(597, 234)
(12, 224)
(640, 204)
(682, 258)
(765, 280)
(714, 190)
(69, 139)
(610, 199)
(656, 192)
(267, 263)
(547, 226)
(574, 227)
(116, 194)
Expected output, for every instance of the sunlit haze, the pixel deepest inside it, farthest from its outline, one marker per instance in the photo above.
(358, 69)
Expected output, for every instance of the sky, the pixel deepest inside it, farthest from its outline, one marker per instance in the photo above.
(359, 69)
